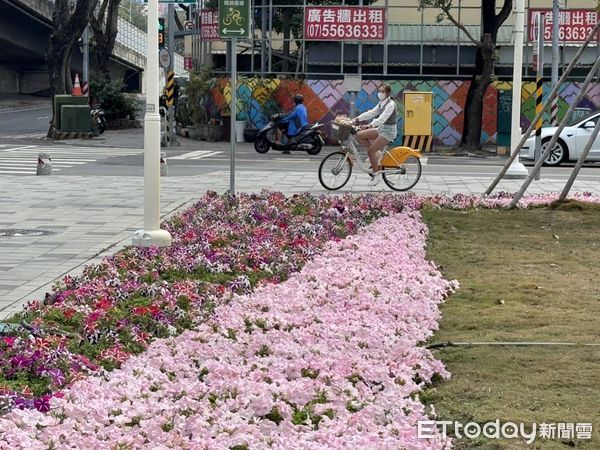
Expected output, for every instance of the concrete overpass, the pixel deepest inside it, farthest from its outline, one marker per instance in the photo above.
(25, 27)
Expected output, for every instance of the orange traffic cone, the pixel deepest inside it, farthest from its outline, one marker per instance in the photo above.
(77, 86)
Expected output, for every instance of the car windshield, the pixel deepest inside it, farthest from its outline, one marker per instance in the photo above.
(577, 117)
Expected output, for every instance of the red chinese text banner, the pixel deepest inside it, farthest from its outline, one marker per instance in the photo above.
(343, 23)
(209, 25)
(575, 25)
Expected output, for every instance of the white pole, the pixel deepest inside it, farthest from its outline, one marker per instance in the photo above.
(517, 169)
(152, 234)
(233, 109)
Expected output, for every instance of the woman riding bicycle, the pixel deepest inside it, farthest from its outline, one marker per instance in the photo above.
(381, 131)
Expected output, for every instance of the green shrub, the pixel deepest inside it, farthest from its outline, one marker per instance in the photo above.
(109, 95)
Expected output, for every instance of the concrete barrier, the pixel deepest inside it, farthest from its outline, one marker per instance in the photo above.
(44, 165)
(164, 169)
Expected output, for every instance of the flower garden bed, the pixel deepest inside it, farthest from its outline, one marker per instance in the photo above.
(225, 247)
(327, 359)
(221, 246)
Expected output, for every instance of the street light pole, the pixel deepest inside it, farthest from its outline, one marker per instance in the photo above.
(152, 235)
(517, 169)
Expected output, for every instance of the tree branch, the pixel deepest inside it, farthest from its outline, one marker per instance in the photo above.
(462, 27)
(503, 14)
(178, 22)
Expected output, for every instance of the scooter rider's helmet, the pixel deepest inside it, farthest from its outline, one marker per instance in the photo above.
(298, 99)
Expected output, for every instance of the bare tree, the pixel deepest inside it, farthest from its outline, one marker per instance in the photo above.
(485, 60)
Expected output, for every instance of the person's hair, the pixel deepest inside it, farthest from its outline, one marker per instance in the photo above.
(298, 98)
(387, 88)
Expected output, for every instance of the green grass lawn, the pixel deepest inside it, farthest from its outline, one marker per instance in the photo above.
(525, 276)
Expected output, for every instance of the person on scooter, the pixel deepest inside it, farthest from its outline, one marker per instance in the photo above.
(295, 120)
(381, 131)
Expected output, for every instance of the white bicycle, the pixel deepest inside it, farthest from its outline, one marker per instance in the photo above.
(400, 166)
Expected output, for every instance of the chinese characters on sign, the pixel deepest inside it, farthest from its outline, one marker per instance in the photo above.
(530, 433)
(209, 21)
(575, 25)
(340, 23)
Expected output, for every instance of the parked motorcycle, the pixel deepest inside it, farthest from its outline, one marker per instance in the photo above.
(98, 122)
(309, 138)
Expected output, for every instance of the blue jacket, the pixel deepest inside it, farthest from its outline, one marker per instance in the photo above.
(298, 118)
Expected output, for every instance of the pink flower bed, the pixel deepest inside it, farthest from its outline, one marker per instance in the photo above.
(499, 200)
(328, 359)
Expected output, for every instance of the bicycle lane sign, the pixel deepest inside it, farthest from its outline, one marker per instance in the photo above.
(234, 18)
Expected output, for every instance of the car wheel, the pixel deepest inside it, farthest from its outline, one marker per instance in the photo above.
(558, 154)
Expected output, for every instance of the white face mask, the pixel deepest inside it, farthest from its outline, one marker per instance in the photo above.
(381, 96)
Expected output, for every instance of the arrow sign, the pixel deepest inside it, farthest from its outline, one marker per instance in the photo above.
(228, 31)
(234, 18)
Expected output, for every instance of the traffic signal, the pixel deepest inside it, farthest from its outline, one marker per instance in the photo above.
(161, 32)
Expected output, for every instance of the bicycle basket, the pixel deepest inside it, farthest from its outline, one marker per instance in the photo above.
(340, 132)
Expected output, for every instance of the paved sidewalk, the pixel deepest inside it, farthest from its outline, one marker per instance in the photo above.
(91, 216)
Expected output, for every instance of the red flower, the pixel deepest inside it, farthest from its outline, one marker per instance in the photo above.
(154, 310)
(140, 310)
(103, 304)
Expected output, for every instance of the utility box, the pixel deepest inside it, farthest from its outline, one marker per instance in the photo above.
(504, 121)
(61, 100)
(418, 118)
(76, 119)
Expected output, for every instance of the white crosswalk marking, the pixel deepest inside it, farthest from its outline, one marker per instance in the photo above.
(198, 154)
(22, 160)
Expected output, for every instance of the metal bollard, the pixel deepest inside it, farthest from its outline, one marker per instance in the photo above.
(164, 169)
(44, 165)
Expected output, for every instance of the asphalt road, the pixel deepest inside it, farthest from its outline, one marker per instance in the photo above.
(19, 158)
(122, 155)
(25, 123)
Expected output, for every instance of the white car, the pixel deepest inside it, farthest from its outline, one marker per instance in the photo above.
(570, 143)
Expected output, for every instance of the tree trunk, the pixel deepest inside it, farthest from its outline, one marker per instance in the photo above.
(58, 68)
(67, 27)
(484, 72)
(104, 28)
(471, 137)
(68, 78)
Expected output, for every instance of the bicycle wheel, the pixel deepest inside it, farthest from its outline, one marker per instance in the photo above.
(405, 176)
(335, 171)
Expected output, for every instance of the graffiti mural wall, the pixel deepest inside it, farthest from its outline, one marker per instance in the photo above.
(324, 99)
